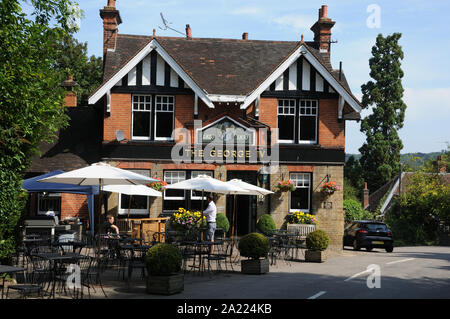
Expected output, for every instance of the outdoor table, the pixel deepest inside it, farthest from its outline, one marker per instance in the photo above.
(133, 249)
(75, 245)
(56, 258)
(4, 269)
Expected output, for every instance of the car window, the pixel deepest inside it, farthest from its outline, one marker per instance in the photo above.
(375, 227)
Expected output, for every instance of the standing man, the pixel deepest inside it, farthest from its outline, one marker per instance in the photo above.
(210, 214)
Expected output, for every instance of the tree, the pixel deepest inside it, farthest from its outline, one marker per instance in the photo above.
(381, 152)
(71, 57)
(30, 97)
(354, 177)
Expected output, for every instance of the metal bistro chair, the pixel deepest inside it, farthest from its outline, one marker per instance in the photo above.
(26, 287)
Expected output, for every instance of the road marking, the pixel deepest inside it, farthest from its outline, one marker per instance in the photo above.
(399, 261)
(356, 275)
(317, 295)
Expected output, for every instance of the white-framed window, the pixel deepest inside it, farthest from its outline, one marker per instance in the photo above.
(300, 199)
(164, 117)
(134, 205)
(141, 117)
(49, 204)
(286, 120)
(308, 122)
(197, 195)
(174, 198)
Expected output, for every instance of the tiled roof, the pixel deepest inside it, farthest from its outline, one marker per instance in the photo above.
(218, 66)
(77, 146)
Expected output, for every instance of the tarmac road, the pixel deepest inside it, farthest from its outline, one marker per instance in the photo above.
(408, 272)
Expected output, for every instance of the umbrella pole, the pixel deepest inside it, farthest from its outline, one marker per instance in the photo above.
(99, 215)
(233, 219)
(129, 206)
(201, 236)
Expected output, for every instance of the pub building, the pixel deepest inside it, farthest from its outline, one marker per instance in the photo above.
(174, 108)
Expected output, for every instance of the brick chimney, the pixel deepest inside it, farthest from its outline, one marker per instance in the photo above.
(245, 36)
(70, 100)
(111, 20)
(439, 165)
(365, 196)
(322, 30)
(188, 31)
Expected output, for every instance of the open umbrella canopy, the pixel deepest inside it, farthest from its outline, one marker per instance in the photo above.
(141, 190)
(207, 184)
(99, 173)
(251, 189)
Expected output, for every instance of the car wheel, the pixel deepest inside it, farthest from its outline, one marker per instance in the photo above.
(390, 249)
(356, 245)
(369, 248)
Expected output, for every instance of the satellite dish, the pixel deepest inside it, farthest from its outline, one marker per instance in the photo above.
(119, 135)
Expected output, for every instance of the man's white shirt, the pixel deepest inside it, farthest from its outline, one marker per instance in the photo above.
(210, 212)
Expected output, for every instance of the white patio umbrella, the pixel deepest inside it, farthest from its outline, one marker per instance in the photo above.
(99, 174)
(205, 183)
(250, 190)
(139, 190)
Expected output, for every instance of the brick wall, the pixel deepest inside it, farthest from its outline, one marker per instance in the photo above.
(120, 117)
(74, 205)
(331, 132)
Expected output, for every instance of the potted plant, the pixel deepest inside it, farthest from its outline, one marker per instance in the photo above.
(266, 224)
(285, 186)
(158, 185)
(163, 263)
(254, 246)
(316, 243)
(329, 188)
(222, 222)
(301, 223)
(187, 222)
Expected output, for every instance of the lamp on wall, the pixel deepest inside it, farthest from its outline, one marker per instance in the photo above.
(262, 175)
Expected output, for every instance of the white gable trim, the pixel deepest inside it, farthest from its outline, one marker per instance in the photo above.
(303, 51)
(153, 45)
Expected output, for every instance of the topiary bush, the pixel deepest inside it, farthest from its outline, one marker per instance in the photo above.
(266, 224)
(317, 240)
(163, 259)
(254, 246)
(222, 222)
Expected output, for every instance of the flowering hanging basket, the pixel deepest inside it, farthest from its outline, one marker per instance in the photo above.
(285, 186)
(329, 188)
(158, 185)
(187, 222)
(301, 218)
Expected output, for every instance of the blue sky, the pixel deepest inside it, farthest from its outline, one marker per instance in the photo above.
(425, 42)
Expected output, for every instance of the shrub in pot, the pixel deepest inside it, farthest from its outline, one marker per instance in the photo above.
(164, 264)
(222, 222)
(266, 224)
(254, 246)
(316, 243)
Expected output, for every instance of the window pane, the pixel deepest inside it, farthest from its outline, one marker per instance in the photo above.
(137, 202)
(174, 193)
(307, 128)
(173, 204)
(141, 123)
(286, 127)
(164, 124)
(300, 199)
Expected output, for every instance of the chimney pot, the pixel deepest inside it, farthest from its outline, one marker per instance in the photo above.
(154, 32)
(245, 36)
(324, 11)
(188, 31)
(112, 3)
(365, 196)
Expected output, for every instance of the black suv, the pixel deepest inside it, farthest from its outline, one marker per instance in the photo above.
(368, 234)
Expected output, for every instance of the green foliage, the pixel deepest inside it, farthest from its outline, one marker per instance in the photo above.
(317, 240)
(354, 211)
(266, 224)
(72, 57)
(254, 246)
(353, 173)
(222, 222)
(350, 192)
(31, 97)
(163, 259)
(381, 153)
(414, 218)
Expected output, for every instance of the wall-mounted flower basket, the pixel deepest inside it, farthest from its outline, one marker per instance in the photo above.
(158, 185)
(285, 186)
(329, 188)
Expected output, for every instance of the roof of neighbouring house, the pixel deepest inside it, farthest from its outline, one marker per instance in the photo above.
(76, 146)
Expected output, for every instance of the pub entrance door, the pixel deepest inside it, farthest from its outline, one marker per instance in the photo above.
(245, 205)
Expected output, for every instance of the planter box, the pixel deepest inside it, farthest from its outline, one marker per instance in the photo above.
(316, 256)
(165, 285)
(255, 266)
(301, 229)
